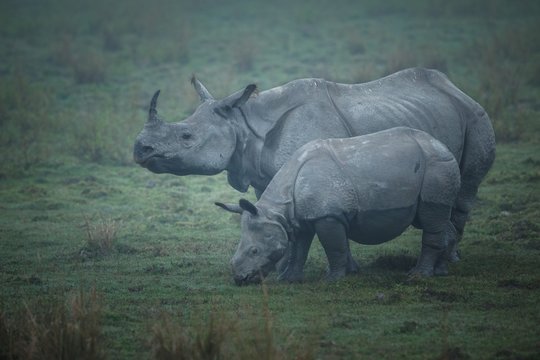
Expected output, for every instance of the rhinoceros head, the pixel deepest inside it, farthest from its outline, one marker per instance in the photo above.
(263, 242)
(202, 144)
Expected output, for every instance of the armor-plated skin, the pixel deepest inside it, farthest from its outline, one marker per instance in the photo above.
(368, 189)
(252, 137)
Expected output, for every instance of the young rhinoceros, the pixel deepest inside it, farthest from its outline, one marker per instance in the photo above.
(368, 188)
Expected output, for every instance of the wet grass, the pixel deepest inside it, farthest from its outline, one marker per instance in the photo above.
(77, 217)
(172, 251)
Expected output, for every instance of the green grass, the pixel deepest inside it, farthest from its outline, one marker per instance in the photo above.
(172, 249)
(76, 214)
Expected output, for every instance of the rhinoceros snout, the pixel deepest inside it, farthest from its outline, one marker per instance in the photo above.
(242, 280)
(142, 152)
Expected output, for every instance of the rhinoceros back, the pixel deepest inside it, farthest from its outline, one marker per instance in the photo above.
(375, 172)
(414, 98)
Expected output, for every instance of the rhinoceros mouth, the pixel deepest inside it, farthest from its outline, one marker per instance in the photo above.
(160, 164)
(151, 161)
(255, 277)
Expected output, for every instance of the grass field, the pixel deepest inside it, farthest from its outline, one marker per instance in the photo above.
(101, 258)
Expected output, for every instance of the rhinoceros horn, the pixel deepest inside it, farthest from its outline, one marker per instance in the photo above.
(152, 113)
(201, 90)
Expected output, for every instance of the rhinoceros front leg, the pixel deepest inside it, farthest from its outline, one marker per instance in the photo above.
(433, 249)
(333, 237)
(297, 256)
(437, 241)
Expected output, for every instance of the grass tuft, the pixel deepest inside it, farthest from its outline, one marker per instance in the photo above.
(171, 340)
(62, 330)
(101, 236)
(223, 337)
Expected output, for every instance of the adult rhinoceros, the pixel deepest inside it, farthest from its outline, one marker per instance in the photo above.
(252, 137)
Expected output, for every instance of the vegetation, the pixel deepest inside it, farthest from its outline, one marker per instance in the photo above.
(100, 258)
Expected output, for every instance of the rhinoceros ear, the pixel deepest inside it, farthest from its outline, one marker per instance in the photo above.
(235, 100)
(234, 208)
(239, 101)
(248, 206)
(204, 94)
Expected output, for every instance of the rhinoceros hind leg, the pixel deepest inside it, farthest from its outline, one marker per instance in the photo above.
(333, 237)
(476, 161)
(458, 218)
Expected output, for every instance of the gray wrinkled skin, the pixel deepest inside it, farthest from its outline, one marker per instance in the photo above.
(368, 189)
(252, 137)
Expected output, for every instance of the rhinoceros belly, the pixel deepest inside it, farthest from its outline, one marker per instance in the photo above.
(378, 226)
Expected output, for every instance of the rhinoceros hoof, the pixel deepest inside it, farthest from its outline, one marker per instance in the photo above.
(352, 267)
(441, 269)
(419, 272)
(291, 277)
(332, 276)
(454, 256)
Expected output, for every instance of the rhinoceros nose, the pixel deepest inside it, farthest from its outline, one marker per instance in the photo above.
(240, 280)
(141, 152)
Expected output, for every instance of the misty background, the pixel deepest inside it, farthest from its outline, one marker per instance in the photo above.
(76, 77)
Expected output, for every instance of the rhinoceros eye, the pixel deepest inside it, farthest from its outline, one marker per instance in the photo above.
(254, 251)
(186, 136)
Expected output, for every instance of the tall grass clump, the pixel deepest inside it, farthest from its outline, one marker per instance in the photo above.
(60, 330)
(224, 337)
(170, 340)
(101, 236)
